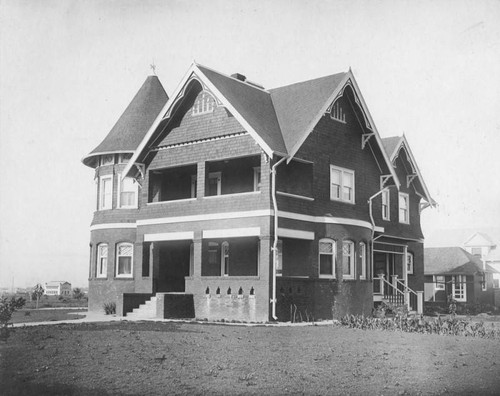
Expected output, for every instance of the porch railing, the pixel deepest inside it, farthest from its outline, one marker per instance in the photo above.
(396, 292)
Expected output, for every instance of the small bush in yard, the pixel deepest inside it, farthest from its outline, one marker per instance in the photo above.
(7, 308)
(110, 308)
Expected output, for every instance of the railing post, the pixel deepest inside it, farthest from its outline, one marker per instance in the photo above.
(407, 299)
(420, 302)
(395, 285)
(382, 286)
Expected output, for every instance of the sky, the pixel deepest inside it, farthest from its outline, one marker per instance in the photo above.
(69, 68)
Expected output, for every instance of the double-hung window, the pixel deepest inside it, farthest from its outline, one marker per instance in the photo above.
(404, 208)
(327, 253)
(409, 263)
(341, 184)
(362, 260)
(124, 254)
(127, 193)
(105, 192)
(102, 260)
(439, 282)
(386, 214)
(348, 266)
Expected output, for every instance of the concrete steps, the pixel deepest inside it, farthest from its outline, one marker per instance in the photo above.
(145, 311)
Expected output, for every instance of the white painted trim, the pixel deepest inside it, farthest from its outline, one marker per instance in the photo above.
(99, 195)
(341, 192)
(295, 234)
(169, 236)
(112, 226)
(407, 200)
(206, 217)
(285, 194)
(403, 144)
(136, 193)
(170, 201)
(218, 177)
(232, 195)
(231, 232)
(328, 220)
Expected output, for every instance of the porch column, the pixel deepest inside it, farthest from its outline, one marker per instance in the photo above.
(420, 302)
(405, 265)
(200, 180)
(154, 258)
(196, 270)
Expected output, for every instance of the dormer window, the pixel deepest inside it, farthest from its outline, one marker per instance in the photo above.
(337, 112)
(203, 104)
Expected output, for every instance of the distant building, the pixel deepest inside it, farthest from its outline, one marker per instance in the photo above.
(452, 271)
(58, 288)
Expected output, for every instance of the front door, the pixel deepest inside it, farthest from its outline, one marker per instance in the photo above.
(174, 266)
(383, 264)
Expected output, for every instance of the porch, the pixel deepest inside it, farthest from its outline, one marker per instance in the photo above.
(392, 265)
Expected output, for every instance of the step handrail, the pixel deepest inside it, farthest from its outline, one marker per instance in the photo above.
(390, 284)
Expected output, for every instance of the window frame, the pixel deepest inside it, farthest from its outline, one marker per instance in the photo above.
(362, 260)
(462, 290)
(406, 198)
(117, 260)
(410, 264)
(218, 177)
(337, 112)
(102, 161)
(439, 284)
(224, 258)
(343, 172)
(352, 259)
(386, 196)
(333, 254)
(101, 271)
(279, 258)
(256, 178)
(136, 193)
(101, 196)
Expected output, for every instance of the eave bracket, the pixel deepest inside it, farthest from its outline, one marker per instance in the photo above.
(364, 139)
(409, 179)
(383, 180)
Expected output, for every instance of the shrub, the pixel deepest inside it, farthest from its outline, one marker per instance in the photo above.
(109, 308)
(7, 308)
(418, 324)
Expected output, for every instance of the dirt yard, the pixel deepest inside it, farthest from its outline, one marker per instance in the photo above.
(171, 358)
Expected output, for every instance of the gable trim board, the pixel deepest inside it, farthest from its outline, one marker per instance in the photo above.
(403, 144)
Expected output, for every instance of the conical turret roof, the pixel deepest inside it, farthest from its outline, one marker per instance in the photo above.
(134, 123)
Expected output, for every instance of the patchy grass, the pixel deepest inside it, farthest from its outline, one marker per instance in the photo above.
(47, 315)
(150, 358)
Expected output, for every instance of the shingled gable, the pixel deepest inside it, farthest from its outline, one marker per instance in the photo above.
(392, 146)
(257, 113)
(134, 123)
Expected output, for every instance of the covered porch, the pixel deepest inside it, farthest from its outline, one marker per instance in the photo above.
(393, 263)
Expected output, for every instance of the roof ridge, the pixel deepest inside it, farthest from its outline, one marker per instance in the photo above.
(305, 81)
(232, 78)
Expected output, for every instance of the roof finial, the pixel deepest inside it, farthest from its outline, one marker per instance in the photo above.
(153, 67)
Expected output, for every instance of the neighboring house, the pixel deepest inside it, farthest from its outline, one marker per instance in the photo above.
(483, 243)
(57, 288)
(454, 272)
(258, 203)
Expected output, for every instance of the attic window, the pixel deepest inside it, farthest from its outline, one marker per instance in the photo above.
(337, 112)
(204, 104)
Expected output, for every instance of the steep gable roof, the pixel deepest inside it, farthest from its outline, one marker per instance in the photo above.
(253, 104)
(135, 121)
(393, 145)
(298, 104)
(452, 260)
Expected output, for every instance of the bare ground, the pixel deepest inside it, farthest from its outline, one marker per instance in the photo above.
(181, 358)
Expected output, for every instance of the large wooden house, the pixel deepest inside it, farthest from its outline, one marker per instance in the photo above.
(254, 204)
